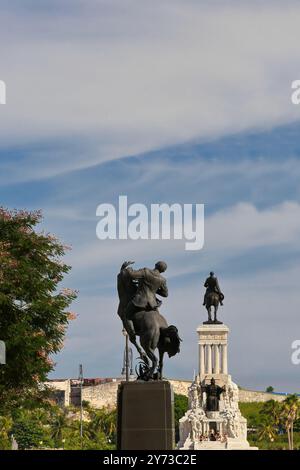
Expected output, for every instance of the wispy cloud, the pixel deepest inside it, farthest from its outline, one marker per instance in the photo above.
(136, 78)
(228, 233)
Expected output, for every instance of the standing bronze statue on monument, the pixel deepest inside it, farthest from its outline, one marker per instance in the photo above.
(213, 394)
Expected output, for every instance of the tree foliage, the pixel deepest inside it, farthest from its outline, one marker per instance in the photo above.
(28, 434)
(180, 408)
(274, 423)
(52, 427)
(33, 311)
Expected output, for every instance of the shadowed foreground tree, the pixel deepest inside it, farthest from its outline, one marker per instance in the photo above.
(33, 312)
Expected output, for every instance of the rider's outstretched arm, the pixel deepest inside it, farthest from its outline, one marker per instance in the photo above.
(126, 264)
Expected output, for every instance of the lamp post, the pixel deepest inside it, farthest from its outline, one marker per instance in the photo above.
(80, 378)
(126, 355)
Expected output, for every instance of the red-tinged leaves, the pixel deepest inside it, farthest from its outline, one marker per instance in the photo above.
(33, 308)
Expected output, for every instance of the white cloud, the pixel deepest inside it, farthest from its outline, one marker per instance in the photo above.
(244, 227)
(139, 78)
(228, 233)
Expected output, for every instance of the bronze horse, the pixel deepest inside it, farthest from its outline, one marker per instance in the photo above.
(213, 300)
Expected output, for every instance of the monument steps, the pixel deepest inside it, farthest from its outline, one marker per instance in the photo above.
(210, 445)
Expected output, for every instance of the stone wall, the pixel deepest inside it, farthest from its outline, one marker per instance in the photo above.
(247, 396)
(180, 386)
(101, 395)
(105, 394)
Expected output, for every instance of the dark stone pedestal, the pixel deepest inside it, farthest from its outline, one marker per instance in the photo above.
(145, 416)
(212, 322)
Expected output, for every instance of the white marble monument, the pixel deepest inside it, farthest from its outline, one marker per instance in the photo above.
(226, 428)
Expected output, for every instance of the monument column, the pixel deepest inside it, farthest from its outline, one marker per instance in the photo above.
(217, 359)
(224, 359)
(202, 359)
(209, 362)
(212, 344)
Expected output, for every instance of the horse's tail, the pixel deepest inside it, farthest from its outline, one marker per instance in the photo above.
(170, 340)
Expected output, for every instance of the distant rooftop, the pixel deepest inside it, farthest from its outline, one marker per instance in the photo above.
(86, 381)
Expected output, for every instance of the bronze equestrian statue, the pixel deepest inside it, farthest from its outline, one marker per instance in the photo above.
(213, 297)
(138, 310)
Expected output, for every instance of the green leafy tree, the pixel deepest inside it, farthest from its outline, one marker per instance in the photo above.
(270, 416)
(73, 440)
(33, 312)
(59, 421)
(86, 404)
(267, 431)
(271, 410)
(180, 408)
(253, 413)
(5, 429)
(28, 434)
(290, 413)
(268, 420)
(103, 421)
(270, 389)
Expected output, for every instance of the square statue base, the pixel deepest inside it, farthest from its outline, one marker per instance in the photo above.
(145, 416)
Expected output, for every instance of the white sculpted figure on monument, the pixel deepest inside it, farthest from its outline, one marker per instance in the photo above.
(193, 396)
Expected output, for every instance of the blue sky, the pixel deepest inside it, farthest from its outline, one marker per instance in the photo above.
(177, 102)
